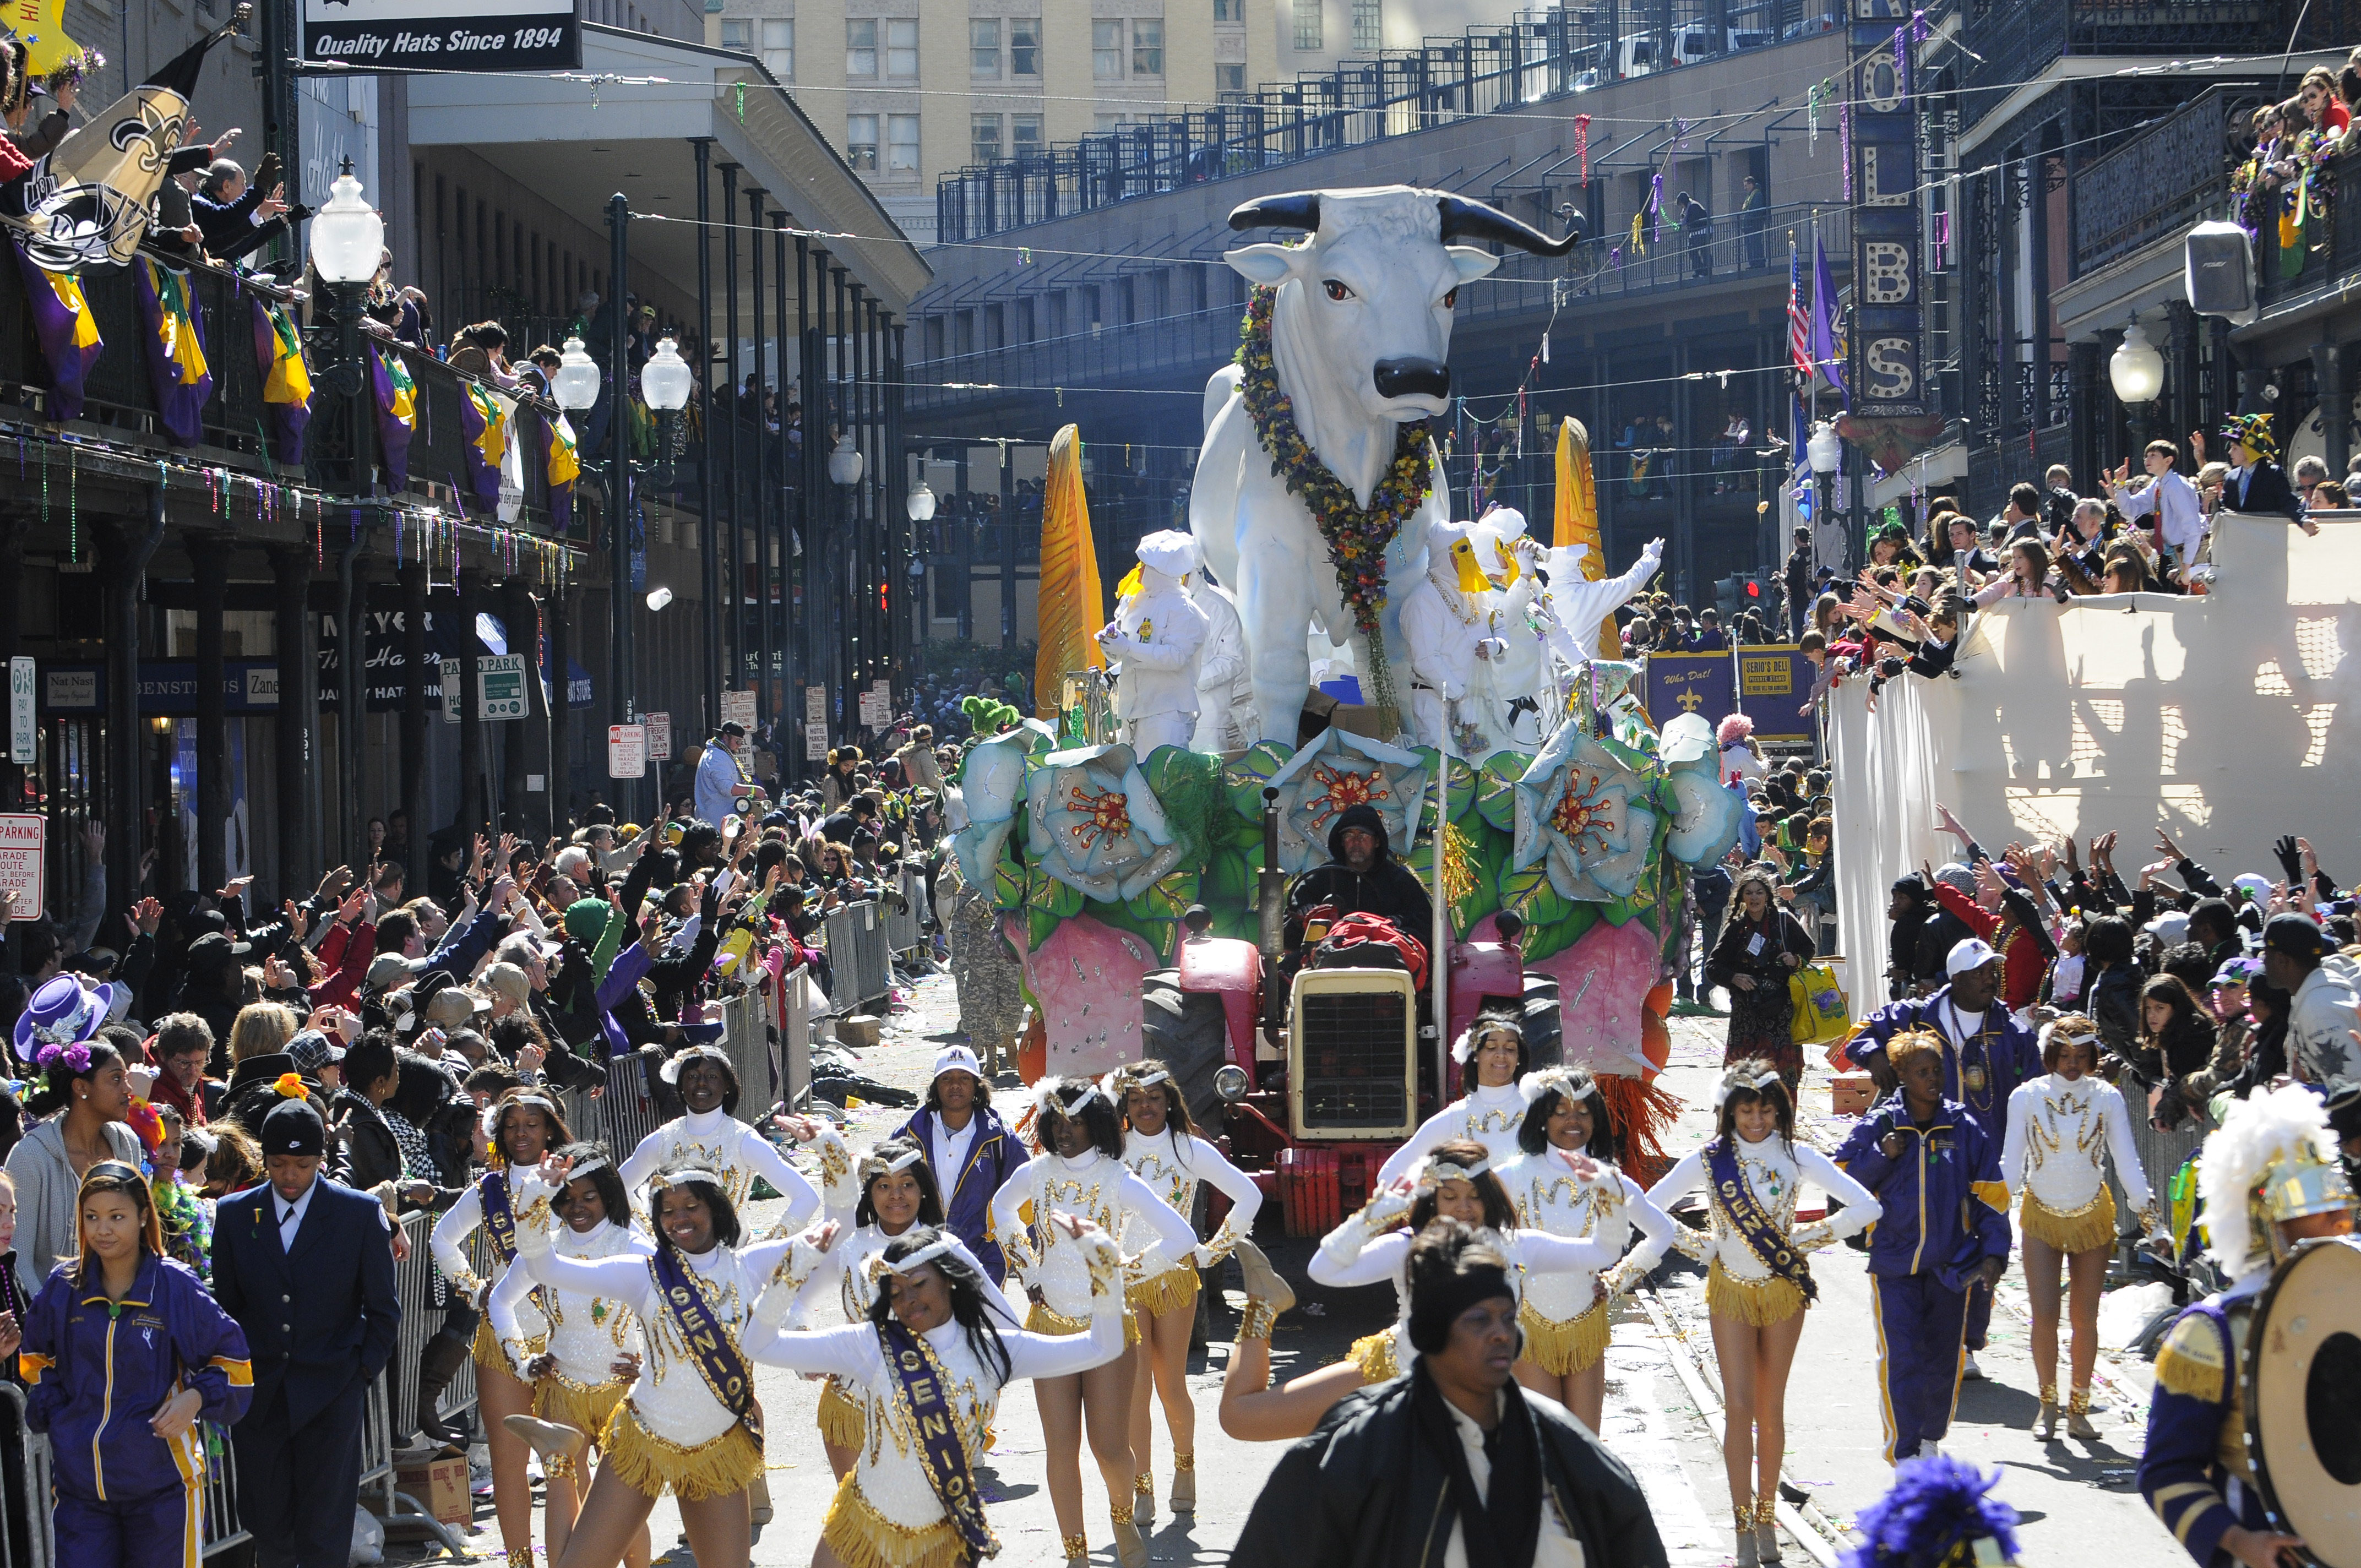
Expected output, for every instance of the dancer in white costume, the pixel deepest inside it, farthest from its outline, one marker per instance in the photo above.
(1492, 1055)
(1161, 1147)
(1565, 1180)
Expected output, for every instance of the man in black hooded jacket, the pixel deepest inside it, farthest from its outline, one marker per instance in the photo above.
(1452, 1451)
(1361, 877)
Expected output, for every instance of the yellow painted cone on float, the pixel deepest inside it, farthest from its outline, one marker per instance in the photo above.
(1072, 604)
(1576, 521)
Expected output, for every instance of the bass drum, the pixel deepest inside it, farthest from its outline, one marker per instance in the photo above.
(2304, 1399)
(1188, 1031)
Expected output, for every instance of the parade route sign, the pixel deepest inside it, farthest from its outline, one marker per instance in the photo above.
(23, 854)
(627, 751)
(443, 34)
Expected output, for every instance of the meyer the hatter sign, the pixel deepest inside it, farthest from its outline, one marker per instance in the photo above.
(443, 35)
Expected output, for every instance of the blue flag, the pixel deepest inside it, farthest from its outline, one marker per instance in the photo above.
(1690, 682)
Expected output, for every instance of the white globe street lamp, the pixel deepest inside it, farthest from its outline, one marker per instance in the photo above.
(347, 236)
(576, 383)
(2137, 368)
(666, 379)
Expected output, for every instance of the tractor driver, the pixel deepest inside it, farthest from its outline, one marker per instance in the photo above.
(1361, 877)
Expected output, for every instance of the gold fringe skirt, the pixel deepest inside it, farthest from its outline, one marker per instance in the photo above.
(1374, 1355)
(841, 1423)
(1042, 1320)
(714, 1468)
(2081, 1230)
(1759, 1302)
(1174, 1291)
(487, 1355)
(559, 1398)
(1563, 1348)
(863, 1538)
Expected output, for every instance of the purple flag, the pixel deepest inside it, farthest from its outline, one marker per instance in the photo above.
(177, 371)
(1824, 320)
(396, 397)
(65, 330)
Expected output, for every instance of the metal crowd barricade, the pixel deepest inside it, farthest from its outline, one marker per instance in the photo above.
(30, 1500)
(746, 1037)
(906, 915)
(858, 956)
(414, 1279)
(803, 1000)
(377, 1469)
(223, 1528)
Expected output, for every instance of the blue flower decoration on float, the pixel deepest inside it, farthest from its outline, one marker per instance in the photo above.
(1334, 771)
(1582, 813)
(992, 785)
(1705, 812)
(1095, 825)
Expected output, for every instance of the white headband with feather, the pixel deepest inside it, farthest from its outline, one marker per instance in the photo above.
(1434, 1171)
(1723, 1090)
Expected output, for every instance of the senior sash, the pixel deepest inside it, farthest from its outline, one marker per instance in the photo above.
(919, 1390)
(499, 1220)
(1752, 1221)
(711, 1347)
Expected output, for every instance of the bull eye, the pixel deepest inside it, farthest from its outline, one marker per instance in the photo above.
(1451, 300)
(1337, 290)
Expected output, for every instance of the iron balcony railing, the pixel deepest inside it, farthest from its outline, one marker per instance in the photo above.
(2163, 178)
(2015, 40)
(1188, 345)
(1535, 56)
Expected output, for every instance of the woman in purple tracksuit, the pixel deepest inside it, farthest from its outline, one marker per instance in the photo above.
(968, 1160)
(125, 1353)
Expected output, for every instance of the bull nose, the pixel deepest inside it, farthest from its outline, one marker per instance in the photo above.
(1405, 378)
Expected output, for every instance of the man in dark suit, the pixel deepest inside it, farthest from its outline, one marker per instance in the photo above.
(305, 1267)
(2256, 482)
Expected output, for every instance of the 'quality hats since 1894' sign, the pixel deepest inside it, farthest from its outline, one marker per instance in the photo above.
(443, 35)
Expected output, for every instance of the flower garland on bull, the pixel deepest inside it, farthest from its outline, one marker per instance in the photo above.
(1356, 539)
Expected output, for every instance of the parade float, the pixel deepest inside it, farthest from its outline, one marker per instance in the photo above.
(1576, 814)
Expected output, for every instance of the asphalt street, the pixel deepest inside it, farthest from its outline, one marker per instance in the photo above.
(2076, 1499)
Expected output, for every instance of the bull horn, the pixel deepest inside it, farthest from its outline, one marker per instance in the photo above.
(1296, 210)
(1464, 219)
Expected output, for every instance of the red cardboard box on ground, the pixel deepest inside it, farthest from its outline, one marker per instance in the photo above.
(1850, 1093)
(438, 1486)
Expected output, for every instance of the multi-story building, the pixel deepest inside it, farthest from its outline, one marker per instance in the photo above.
(916, 91)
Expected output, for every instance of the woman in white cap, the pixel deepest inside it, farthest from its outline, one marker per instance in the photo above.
(2061, 1128)
(888, 1194)
(519, 1130)
(711, 1137)
(577, 1353)
(1491, 1058)
(1372, 1247)
(929, 1362)
(1080, 1171)
(1565, 1180)
(1154, 642)
(1161, 1147)
(969, 1151)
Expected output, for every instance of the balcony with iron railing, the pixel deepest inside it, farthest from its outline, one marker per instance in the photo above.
(2162, 180)
(1187, 347)
(2327, 255)
(1560, 53)
(120, 406)
(2014, 40)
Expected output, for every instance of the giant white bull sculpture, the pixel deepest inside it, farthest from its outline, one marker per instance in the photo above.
(1360, 329)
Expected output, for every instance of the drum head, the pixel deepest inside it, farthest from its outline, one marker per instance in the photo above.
(2303, 1400)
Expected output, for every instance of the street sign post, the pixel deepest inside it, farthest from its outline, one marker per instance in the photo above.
(738, 708)
(500, 688)
(24, 712)
(627, 751)
(659, 729)
(814, 742)
(23, 862)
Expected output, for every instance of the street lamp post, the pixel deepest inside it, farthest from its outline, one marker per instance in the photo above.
(348, 238)
(622, 701)
(1825, 451)
(2136, 372)
(922, 507)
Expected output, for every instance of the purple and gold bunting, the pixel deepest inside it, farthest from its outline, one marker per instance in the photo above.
(177, 369)
(65, 330)
(286, 380)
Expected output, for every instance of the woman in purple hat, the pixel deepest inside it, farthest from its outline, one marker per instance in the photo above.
(82, 1075)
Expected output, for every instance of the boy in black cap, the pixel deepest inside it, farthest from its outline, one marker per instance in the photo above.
(305, 1266)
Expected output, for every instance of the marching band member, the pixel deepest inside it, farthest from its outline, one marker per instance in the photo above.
(1568, 1317)
(519, 1129)
(577, 1353)
(1759, 1283)
(1161, 1147)
(1372, 1248)
(2269, 1177)
(1493, 1049)
(689, 1425)
(2061, 1128)
(1936, 1172)
(896, 1192)
(711, 1137)
(1080, 1171)
(929, 1363)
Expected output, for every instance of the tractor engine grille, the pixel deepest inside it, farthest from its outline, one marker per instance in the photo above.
(1349, 1054)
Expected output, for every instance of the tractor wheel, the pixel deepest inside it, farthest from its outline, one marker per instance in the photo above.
(1188, 1031)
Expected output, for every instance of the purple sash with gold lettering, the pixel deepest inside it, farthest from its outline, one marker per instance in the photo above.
(711, 1347)
(1753, 1222)
(919, 1381)
(499, 1220)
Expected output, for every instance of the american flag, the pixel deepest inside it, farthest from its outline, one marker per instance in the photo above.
(1799, 326)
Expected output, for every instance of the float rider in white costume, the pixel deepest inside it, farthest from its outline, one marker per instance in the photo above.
(1225, 709)
(1445, 620)
(1575, 609)
(1154, 643)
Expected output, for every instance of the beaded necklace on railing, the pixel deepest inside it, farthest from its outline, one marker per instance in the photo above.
(1356, 539)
